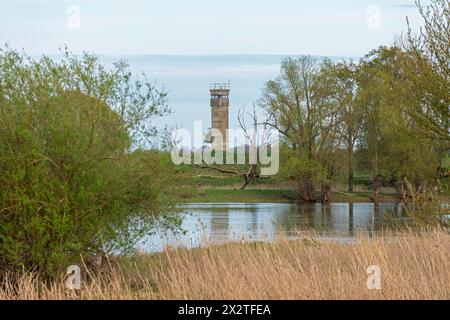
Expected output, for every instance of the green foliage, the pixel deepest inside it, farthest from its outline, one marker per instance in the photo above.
(299, 105)
(390, 111)
(427, 207)
(427, 71)
(392, 136)
(305, 173)
(342, 83)
(74, 181)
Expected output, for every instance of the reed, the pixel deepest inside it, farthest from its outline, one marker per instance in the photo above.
(413, 266)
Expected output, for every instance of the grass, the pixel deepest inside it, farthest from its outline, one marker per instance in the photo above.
(211, 186)
(248, 195)
(446, 161)
(276, 195)
(413, 266)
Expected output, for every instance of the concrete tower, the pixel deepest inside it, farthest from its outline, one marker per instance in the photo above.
(219, 114)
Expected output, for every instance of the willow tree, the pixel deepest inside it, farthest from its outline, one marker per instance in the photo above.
(391, 135)
(428, 71)
(298, 105)
(342, 79)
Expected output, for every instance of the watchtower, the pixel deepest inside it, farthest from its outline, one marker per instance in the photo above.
(219, 114)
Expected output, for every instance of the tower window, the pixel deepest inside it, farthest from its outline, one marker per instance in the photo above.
(218, 96)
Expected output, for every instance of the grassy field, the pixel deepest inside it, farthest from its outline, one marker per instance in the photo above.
(233, 195)
(275, 195)
(212, 186)
(412, 266)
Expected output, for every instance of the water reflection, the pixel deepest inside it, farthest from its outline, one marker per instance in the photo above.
(221, 222)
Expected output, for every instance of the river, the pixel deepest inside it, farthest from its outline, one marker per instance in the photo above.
(212, 223)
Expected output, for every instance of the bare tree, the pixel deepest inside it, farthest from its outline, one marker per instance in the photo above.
(257, 138)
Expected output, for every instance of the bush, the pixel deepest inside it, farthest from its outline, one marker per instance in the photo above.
(75, 180)
(305, 173)
(427, 205)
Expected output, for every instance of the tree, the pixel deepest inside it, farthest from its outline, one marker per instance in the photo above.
(342, 79)
(428, 70)
(75, 180)
(298, 105)
(258, 137)
(390, 132)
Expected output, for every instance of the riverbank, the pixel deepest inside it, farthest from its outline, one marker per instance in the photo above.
(278, 196)
(411, 266)
(213, 186)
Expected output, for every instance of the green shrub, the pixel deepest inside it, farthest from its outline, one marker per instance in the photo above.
(74, 178)
(304, 172)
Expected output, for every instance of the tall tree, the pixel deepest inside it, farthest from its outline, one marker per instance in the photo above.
(428, 69)
(298, 105)
(390, 132)
(342, 79)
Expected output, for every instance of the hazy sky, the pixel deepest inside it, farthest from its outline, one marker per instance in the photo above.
(322, 27)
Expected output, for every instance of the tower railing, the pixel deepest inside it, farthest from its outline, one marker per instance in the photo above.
(220, 86)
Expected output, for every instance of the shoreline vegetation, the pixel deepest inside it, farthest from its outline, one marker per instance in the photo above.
(280, 196)
(212, 186)
(413, 265)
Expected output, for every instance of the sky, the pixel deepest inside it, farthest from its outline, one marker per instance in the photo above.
(204, 27)
(186, 45)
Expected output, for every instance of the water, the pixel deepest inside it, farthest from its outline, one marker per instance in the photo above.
(206, 223)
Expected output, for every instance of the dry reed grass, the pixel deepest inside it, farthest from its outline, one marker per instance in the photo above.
(413, 266)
